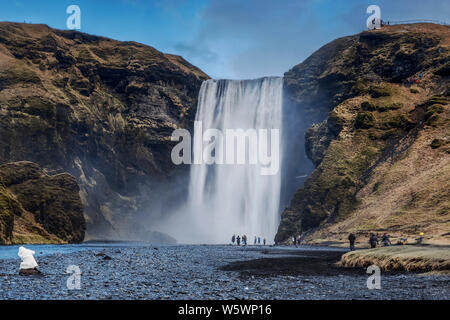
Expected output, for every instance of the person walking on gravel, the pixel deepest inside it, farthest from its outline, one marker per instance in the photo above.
(385, 240)
(352, 239)
(373, 240)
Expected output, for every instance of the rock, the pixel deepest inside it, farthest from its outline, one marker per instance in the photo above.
(45, 208)
(27, 259)
(318, 138)
(30, 272)
(436, 143)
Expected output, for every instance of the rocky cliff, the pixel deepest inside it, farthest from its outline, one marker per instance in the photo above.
(101, 110)
(378, 106)
(38, 208)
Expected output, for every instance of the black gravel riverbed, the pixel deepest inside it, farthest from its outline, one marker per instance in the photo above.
(209, 272)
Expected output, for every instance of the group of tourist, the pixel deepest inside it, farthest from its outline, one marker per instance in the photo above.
(238, 239)
(373, 240)
(413, 80)
(296, 240)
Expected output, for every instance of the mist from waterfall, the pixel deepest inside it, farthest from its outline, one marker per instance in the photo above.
(227, 199)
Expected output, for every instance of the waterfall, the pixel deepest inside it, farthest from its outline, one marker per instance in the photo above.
(227, 199)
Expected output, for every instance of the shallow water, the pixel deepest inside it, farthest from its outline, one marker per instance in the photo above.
(139, 271)
(10, 252)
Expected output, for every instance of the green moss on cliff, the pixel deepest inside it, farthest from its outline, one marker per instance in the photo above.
(438, 100)
(368, 106)
(335, 122)
(396, 120)
(377, 91)
(364, 120)
(433, 112)
(389, 106)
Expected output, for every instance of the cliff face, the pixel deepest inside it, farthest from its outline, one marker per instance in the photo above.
(99, 109)
(380, 143)
(38, 208)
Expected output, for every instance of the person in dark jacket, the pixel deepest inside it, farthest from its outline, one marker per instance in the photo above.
(233, 239)
(385, 240)
(238, 240)
(373, 240)
(352, 239)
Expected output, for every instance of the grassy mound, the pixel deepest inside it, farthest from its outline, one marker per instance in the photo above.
(400, 258)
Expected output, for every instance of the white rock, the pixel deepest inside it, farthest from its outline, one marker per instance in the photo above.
(27, 258)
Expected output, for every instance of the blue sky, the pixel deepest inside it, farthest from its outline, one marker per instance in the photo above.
(236, 39)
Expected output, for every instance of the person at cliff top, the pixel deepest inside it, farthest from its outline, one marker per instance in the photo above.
(259, 240)
(244, 240)
(352, 239)
(294, 240)
(238, 240)
(385, 240)
(299, 240)
(254, 242)
(233, 239)
(264, 241)
(373, 240)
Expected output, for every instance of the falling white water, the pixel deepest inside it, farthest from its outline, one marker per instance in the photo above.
(236, 199)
